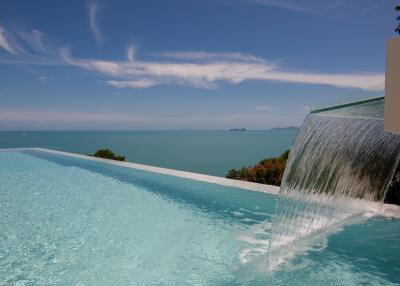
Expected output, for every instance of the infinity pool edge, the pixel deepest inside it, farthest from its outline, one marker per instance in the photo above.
(377, 208)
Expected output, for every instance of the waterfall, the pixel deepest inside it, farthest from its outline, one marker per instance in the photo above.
(336, 164)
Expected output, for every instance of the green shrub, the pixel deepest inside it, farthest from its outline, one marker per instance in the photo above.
(108, 154)
(268, 171)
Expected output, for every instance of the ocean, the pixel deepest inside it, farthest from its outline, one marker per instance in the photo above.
(207, 152)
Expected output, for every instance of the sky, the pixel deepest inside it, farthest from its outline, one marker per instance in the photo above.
(186, 64)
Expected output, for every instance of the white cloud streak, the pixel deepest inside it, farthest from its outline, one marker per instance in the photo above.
(264, 108)
(288, 5)
(5, 43)
(315, 7)
(211, 56)
(140, 83)
(35, 40)
(343, 10)
(27, 44)
(93, 10)
(130, 53)
(199, 69)
(211, 69)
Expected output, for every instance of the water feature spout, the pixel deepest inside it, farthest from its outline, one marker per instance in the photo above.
(392, 87)
(341, 159)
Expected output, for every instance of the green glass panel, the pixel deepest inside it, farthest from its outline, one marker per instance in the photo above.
(369, 108)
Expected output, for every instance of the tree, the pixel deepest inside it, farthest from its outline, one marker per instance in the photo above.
(398, 19)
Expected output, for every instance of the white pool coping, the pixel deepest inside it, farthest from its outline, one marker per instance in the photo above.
(387, 210)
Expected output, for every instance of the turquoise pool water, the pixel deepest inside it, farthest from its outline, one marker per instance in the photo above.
(69, 221)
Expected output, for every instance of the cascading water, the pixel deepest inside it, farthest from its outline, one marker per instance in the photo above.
(336, 165)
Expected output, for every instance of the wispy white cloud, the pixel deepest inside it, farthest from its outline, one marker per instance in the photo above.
(199, 69)
(214, 70)
(35, 40)
(290, 5)
(29, 48)
(211, 56)
(5, 43)
(93, 10)
(343, 10)
(311, 6)
(130, 53)
(140, 83)
(264, 108)
(42, 78)
(30, 44)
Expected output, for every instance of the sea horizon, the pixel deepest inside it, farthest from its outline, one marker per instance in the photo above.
(128, 130)
(211, 152)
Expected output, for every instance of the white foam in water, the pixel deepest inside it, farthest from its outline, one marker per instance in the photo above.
(336, 165)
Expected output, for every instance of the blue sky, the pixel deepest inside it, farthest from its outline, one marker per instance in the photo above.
(186, 64)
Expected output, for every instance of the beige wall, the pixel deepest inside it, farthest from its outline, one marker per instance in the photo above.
(392, 87)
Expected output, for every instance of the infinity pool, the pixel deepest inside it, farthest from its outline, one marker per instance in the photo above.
(71, 221)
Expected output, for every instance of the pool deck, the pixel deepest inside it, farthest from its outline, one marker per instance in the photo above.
(387, 210)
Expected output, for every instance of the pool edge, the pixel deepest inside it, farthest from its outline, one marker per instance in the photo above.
(377, 208)
(270, 189)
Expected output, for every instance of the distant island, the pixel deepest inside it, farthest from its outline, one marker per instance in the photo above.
(275, 128)
(285, 128)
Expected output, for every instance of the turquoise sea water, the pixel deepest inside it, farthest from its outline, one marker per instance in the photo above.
(208, 152)
(67, 221)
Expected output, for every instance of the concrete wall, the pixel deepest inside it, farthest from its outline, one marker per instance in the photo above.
(392, 87)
